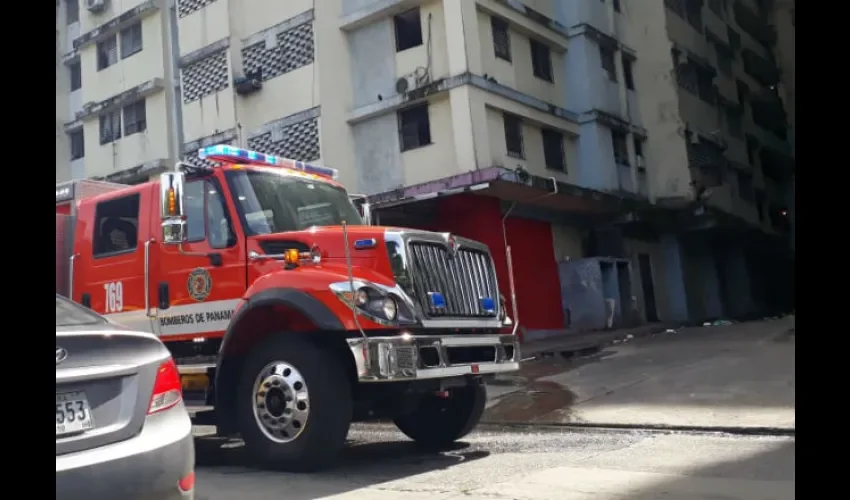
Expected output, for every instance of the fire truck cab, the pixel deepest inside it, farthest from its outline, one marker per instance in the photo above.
(285, 311)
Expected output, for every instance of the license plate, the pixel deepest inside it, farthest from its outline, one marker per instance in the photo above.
(73, 413)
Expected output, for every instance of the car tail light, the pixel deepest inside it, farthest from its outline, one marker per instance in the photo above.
(187, 483)
(167, 390)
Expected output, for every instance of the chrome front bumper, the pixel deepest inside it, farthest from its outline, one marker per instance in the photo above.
(409, 357)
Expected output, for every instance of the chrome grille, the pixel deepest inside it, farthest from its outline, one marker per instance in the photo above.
(463, 278)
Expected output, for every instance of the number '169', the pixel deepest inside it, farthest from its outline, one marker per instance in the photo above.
(114, 296)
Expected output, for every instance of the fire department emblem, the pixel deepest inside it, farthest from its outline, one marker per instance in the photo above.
(200, 284)
(453, 244)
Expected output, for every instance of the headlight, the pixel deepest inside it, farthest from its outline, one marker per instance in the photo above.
(361, 297)
(389, 308)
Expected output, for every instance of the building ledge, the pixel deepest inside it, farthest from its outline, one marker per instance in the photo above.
(191, 148)
(374, 11)
(117, 23)
(443, 85)
(138, 174)
(553, 32)
(91, 109)
(197, 55)
(612, 121)
(600, 38)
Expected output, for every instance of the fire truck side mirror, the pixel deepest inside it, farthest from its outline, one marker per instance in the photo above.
(171, 207)
(362, 205)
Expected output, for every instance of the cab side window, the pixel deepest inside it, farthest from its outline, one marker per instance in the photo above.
(206, 215)
(116, 226)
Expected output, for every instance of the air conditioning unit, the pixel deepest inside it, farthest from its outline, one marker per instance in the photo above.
(412, 81)
(641, 162)
(96, 6)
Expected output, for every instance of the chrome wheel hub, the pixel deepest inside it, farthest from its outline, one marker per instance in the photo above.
(281, 402)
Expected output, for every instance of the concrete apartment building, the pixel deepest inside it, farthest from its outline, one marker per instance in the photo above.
(562, 122)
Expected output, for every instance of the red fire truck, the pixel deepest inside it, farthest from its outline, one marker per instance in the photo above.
(281, 304)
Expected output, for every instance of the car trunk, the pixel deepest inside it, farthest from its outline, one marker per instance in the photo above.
(112, 372)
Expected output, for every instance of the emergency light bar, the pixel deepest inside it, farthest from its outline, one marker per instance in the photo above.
(229, 154)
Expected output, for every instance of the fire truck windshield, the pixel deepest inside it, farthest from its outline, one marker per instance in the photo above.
(271, 202)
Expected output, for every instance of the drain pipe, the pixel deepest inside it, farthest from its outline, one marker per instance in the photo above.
(508, 256)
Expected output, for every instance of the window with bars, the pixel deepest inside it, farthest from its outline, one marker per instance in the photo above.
(135, 118)
(513, 135)
(608, 64)
(78, 144)
(628, 75)
(75, 73)
(554, 155)
(621, 148)
(686, 77)
(72, 11)
(541, 60)
(408, 30)
(107, 52)
(414, 127)
(501, 38)
(131, 40)
(110, 127)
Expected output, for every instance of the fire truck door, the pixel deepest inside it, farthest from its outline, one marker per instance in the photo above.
(197, 289)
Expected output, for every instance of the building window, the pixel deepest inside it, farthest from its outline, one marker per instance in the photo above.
(608, 64)
(501, 38)
(705, 85)
(616, 5)
(628, 76)
(553, 150)
(641, 160)
(716, 6)
(110, 127)
(686, 77)
(745, 186)
(752, 149)
(513, 135)
(414, 127)
(107, 52)
(76, 75)
(116, 225)
(78, 144)
(693, 12)
(733, 120)
(541, 60)
(72, 11)
(135, 118)
(724, 62)
(621, 148)
(131, 40)
(408, 30)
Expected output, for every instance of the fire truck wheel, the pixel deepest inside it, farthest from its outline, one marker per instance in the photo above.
(294, 404)
(439, 421)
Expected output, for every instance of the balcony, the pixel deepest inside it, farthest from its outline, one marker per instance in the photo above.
(754, 24)
(765, 71)
(769, 114)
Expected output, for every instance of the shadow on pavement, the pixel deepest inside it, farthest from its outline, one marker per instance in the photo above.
(766, 475)
(362, 464)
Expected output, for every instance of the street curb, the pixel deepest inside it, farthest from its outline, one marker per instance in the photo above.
(661, 428)
(582, 344)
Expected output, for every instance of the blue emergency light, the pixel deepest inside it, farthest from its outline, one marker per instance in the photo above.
(230, 154)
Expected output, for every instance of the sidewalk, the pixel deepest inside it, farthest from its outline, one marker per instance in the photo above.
(732, 376)
(568, 343)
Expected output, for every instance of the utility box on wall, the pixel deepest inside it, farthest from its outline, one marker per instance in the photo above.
(597, 293)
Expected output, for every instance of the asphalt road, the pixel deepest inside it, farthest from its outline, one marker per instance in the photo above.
(501, 464)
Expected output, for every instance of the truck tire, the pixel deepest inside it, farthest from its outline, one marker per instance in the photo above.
(283, 425)
(438, 421)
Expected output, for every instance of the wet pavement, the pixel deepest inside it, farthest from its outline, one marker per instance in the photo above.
(379, 463)
(739, 375)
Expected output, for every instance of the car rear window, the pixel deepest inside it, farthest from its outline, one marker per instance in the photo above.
(70, 314)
